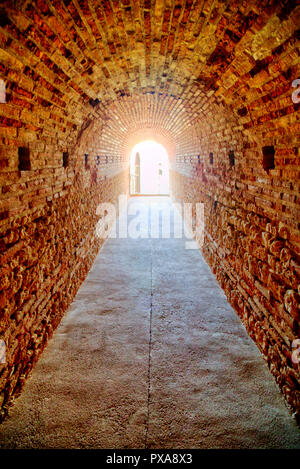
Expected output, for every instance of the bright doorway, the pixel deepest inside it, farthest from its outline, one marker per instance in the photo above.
(149, 169)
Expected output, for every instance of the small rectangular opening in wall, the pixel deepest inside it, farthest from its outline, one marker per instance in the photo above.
(94, 102)
(231, 158)
(268, 157)
(97, 159)
(24, 159)
(86, 161)
(211, 158)
(4, 20)
(65, 159)
(199, 159)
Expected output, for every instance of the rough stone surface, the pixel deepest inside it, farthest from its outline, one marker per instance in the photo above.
(150, 357)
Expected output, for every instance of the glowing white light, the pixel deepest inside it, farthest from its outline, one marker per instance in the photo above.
(154, 167)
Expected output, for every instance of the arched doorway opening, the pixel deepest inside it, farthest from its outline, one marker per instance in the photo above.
(135, 174)
(149, 169)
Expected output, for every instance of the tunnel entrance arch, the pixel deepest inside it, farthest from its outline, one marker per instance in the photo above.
(149, 169)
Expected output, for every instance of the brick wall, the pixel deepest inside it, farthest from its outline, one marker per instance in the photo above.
(252, 211)
(48, 240)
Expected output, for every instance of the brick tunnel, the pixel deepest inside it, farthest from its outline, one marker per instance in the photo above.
(216, 82)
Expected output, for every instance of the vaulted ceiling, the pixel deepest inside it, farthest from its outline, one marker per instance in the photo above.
(157, 64)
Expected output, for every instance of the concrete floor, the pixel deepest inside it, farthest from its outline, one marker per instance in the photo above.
(150, 355)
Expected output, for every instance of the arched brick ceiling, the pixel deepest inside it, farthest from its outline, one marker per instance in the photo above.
(142, 116)
(138, 64)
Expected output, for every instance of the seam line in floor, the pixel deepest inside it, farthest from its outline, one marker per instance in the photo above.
(150, 346)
